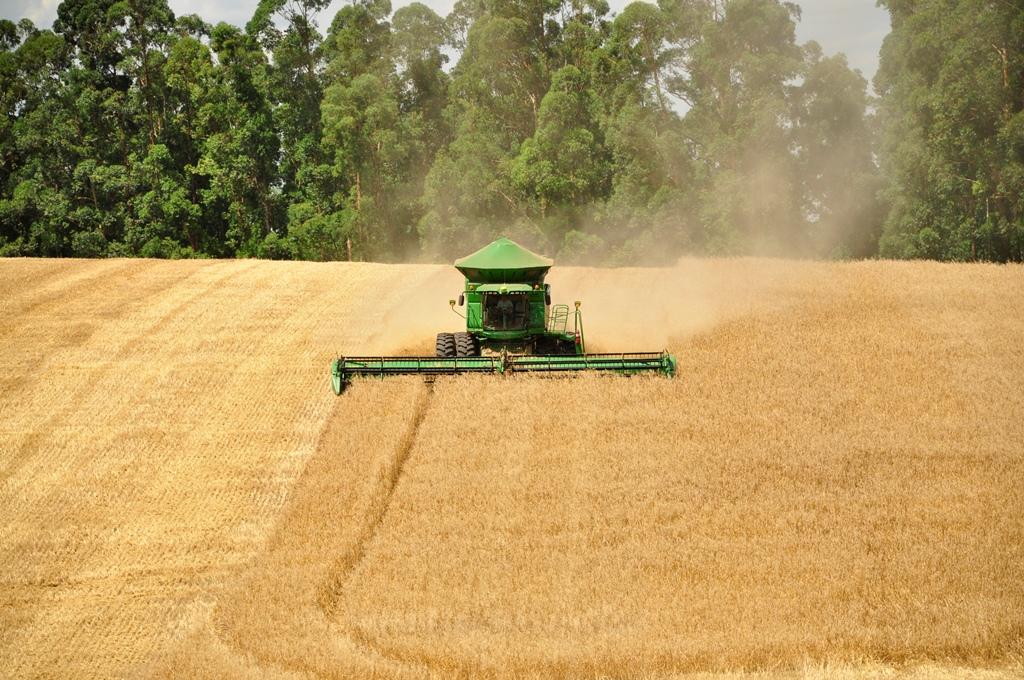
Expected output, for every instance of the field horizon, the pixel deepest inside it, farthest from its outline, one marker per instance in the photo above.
(832, 487)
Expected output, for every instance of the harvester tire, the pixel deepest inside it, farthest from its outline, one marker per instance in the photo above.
(445, 345)
(465, 345)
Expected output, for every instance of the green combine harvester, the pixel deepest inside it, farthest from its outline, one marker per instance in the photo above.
(511, 327)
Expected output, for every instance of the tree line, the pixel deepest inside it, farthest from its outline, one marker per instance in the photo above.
(686, 126)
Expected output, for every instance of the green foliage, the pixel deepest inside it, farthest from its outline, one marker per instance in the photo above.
(953, 151)
(167, 249)
(320, 237)
(838, 180)
(581, 248)
(88, 244)
(683, 126)
(564, 162)
(276, 247)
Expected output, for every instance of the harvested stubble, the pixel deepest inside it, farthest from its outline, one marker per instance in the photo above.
(833, 487)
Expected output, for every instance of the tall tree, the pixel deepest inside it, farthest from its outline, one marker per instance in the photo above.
(835, 146)
(240, 147)
(736, 78)
(371, 151)
(42, 146)
(564, 163)
(950, 77)
(418, 45)
(295, 87)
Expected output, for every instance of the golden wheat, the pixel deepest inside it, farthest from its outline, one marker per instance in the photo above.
(834, 487)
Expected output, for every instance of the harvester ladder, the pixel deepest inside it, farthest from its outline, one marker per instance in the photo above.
(559, 319)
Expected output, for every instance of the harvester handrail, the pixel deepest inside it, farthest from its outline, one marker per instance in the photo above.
(559, 317)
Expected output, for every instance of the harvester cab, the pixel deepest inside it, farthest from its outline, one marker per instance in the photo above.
(511, 327)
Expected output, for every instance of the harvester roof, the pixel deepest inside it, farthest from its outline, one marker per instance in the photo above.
(504, 261)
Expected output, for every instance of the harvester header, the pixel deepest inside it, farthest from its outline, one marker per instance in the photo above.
(511, 327)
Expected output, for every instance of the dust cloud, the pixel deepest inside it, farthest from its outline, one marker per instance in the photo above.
(647, 309)
(415, 310)
(624, 309)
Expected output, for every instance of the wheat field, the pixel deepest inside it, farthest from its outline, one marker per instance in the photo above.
(832, 487)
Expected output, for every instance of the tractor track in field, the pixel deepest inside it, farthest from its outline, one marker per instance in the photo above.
(376, 502)
(377, 505)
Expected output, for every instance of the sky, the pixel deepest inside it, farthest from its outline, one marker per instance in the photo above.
(854, 27)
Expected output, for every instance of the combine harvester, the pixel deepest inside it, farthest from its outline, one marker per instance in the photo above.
(511, 327)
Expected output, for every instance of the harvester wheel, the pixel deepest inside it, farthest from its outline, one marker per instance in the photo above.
(445, 345)
(465, 345)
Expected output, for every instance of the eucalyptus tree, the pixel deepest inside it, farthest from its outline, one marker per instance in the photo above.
(834, 142)
(295, 88)
(950, 78)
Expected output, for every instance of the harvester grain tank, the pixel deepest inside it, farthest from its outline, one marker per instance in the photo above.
(511, 327)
